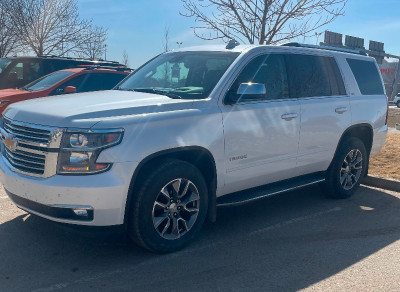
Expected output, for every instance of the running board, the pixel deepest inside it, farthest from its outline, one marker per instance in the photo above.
(257, 193)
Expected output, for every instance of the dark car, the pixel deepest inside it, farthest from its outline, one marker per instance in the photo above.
(66, 81)
(16, 72)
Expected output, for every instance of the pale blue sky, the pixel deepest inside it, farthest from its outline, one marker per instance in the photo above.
(137, 26)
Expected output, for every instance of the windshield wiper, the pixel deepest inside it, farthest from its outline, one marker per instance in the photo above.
(156, 91)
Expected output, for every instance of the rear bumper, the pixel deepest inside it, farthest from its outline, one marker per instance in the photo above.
(65, 199)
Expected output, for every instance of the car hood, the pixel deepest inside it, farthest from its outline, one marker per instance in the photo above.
(83, 110)
(6, 93)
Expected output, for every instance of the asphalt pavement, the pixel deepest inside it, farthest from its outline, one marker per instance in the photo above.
(295, 241)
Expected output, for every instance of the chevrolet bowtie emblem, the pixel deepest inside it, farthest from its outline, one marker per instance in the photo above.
(10, 143)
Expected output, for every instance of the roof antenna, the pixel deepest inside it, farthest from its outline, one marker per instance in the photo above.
(232, 44)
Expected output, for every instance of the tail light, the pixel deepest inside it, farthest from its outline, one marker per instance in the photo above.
(387, 111)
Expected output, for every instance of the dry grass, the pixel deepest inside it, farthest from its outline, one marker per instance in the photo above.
(394, 117)
(387, 162)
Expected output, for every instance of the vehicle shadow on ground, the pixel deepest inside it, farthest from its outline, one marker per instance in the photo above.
(286, 242)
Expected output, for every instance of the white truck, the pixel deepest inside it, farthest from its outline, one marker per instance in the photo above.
(192, 130)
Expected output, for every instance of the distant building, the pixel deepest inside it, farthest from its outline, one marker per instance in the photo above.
(388, 71)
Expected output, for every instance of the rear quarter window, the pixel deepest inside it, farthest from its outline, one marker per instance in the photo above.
(367, 76)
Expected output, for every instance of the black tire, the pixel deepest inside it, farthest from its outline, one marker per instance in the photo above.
(333, 184)
(398, 104)
(141, 228)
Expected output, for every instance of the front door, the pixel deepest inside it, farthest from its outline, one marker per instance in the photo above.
(261, 132)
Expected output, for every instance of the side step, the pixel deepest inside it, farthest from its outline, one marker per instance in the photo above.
(257, 193)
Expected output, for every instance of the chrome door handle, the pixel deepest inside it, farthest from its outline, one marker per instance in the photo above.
(341, 110)
(289, 117)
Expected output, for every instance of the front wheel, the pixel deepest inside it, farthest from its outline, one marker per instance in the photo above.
(347, 169)
(398, 104)
(169, 207)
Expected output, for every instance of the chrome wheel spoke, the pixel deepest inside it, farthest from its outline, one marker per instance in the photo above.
(185, 190)
(161, 205)
(158, 220)
(166, 227)
(175, 228)
(165, 193)
(176, 185)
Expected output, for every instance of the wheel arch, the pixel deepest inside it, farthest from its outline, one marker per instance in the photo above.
(196, 155)
(362, 131)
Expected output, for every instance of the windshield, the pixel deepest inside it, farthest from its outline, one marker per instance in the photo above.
(190, 75)
(4, 62)
(47, 81)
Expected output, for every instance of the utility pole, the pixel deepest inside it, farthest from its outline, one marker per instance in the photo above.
(105, 52)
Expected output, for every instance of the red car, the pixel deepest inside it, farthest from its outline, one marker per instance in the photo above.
(66, 81)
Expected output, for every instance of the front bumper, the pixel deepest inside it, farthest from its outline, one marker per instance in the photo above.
(61, 197)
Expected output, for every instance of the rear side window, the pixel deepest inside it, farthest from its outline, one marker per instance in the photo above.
(367, 76)
(311, 76)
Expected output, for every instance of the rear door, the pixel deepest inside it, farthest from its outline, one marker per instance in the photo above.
(317, 83)
(261, 132)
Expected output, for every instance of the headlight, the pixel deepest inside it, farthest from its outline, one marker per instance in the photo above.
(80, 150)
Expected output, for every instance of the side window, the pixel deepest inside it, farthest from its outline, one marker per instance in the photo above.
(308, 76)
(269, 70)
(100, 81)
(18, 70)
(335, 77)
(367, 76)
(76, 82)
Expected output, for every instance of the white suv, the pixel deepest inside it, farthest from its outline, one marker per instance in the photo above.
(192, 130)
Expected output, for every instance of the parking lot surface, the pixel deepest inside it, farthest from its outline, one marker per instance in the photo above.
(296, 241)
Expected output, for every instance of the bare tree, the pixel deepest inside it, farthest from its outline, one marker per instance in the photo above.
(260, 21)
(166, 39)
(49, 26)
(9, 41)
(93, 43)
(125, 58)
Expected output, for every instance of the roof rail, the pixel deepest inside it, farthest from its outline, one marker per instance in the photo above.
(345, 50)
(118, 68)
(76, 58)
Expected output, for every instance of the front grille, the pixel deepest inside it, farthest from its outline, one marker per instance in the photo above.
(29, 149)
(27, 134)
(26, 161)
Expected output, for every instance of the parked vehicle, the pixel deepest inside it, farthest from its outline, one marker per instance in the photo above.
(16, 72)
(93, 78)
(396, 100)
(192, 130)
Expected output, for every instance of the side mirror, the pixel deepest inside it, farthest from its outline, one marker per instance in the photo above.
(247, 91)
(70, 89)
(256, 89)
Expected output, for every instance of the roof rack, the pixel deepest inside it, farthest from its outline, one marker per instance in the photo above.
(117, 68)
(345, 50)
(75, 58)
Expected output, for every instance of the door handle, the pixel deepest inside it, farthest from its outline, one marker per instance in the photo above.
(289, 117)
(341, 110)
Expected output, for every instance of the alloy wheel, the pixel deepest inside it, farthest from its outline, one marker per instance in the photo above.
(351, 169)
(176, 208)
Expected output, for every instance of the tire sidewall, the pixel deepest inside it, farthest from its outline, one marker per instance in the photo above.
(148, 194)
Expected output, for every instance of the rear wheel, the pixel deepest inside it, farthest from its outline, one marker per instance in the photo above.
(347, 169)
(398, 104)
(169, 207)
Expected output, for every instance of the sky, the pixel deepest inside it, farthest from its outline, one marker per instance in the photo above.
(138, 26)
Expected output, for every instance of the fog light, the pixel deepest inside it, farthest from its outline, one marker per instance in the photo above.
(81, 212)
